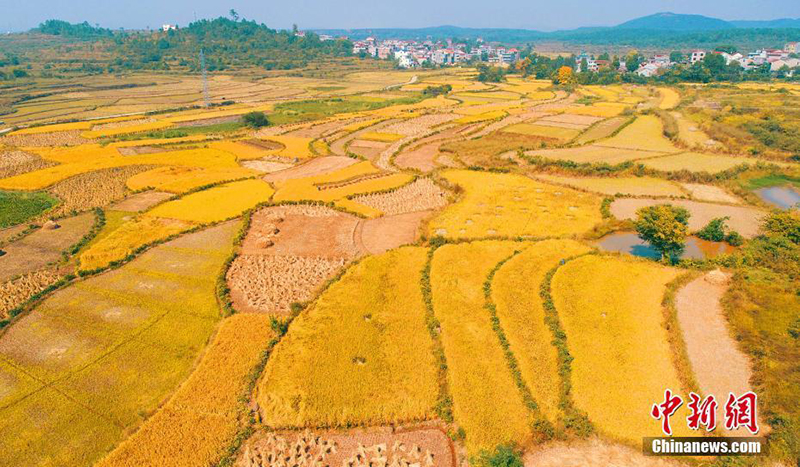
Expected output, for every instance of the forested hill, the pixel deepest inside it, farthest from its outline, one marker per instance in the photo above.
(227, 43)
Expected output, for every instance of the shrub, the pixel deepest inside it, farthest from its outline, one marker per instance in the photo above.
(255, 119)
(714, 231)
(503, 456)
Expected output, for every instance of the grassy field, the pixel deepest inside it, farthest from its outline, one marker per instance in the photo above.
(611, 312)
(94, 359)
(359, 355)
(515, 291)
(195, 426)
(513, 205)
(17, 207)
(486, 402)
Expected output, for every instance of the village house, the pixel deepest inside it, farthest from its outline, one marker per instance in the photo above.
(697, 56)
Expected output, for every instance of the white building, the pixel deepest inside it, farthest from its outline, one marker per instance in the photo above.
(697, 56)
(169, 27)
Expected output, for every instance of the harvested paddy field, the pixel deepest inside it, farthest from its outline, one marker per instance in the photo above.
(420, 195)
(592, 154)
(267, 165)
(141, 201)
(707, 335)
(194, 427)
(710, 193)
(610, 309)
(745, 220)
(288, 254)
(697, 162)
(360, 355)
(20, 162)
(423, 446)
(316, 166)
(513, 205)
(487, 404)
(15, 292)
(182, 179)
(115, 344)
(386, 232)
(594, 452)
(632, 186)
(93, 189)
(43, 246)
(690, 134)
(58, 138)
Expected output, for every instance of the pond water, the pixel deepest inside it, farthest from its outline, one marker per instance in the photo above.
(629, 242)
(783, 197)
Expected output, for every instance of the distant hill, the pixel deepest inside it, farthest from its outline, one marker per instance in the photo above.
(667, 21)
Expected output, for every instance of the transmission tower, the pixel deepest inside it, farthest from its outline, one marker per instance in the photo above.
(205, 78)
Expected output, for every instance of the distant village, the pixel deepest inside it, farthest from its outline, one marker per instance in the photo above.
(414, 54)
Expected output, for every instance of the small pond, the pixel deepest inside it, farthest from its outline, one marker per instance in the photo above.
(783, 197)
(629, 242)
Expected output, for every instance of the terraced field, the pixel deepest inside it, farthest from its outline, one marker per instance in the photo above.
(95, 358)
(380, 277)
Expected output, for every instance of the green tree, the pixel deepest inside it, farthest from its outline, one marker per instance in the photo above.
(503, 456)
(664, 227)
(715, 230)
(676, 56)
(255, 119)
(783, 224)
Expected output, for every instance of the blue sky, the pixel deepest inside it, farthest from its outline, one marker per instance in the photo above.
(533, 14)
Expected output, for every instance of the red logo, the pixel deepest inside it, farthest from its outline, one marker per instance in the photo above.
(739, 412)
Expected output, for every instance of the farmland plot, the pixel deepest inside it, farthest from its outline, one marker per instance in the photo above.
(513, 205)
(104, 352)
(486, 401)
(635, 186)
(610, 308)
(646, 133)
(360, 354)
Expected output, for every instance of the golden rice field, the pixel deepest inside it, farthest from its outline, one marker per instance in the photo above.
(669, 98)
(93, 360)
(593, 154)
(381, 137)
(610, 309)
(337, 186)
(486, 401)
(217, 203)
(513, 205)
(515, 291)
(532, 129)
(182, 179)
(633, 186)
(481, 117)
(195, 426)
(600, 109)
(125, 239)
(360, 354)
(646, 133)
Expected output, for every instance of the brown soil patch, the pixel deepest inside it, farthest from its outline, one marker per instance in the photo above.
(316, 166)
(420, 195)
(43, 246)
(744, 220)
(12, 232)
(718, 365)
(59, 138)
(389, 232)
(421, 447)
(137, 150)
(592, 453)
(19, 162)
(266, 165)
(141, 201)
(370, 152)
(422, 158)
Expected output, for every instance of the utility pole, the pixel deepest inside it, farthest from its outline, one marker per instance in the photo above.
(205, 79)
